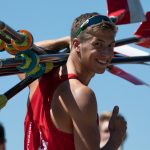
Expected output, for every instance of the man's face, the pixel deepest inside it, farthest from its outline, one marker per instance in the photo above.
(104, 132)
(97, 50)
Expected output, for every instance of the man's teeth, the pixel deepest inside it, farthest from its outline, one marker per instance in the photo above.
(102, 62)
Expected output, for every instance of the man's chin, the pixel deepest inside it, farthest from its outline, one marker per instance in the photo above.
(101, 71)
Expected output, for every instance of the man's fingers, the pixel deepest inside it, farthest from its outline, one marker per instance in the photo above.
(113, 118)
(115, 112)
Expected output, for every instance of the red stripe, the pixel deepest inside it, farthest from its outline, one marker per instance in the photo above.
(122, 74)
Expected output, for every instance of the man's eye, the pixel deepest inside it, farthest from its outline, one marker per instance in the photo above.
(98, 44)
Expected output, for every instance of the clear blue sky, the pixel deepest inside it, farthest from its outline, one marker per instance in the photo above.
(47, 19)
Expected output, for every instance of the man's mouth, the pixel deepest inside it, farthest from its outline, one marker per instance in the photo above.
(103, 62)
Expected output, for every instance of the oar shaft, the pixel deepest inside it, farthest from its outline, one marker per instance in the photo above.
(14, 62)
(11, 32)
(28, 80)
(19, 87)
(127, 60)
(127, 41)
(14, 70)
(9, 71)
(3, 37)
(53, 57)
(11, 62)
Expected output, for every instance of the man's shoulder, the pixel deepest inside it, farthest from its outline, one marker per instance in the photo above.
(77, 90)
(81, 96)
(78, 98)
(84, 96)
(84, 91)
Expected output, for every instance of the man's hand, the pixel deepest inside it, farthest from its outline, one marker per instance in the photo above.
(117, 127)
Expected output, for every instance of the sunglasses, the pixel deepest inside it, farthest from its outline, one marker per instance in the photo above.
(91, 21)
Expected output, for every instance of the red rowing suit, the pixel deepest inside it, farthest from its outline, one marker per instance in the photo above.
(40, 132)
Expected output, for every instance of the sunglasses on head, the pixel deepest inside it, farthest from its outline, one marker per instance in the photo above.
(91, 21)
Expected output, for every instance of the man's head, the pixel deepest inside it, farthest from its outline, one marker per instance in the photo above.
(2, 138)
(82, 23)
(103, 127)
(93, 38)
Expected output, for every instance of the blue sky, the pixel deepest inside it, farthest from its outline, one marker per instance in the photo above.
(47, 19)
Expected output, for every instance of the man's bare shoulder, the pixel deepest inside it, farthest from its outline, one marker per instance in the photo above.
(77, 90)
(84, 95)
(79, 97)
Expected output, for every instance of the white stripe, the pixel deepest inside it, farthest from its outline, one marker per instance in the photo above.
(136, 11)
(130, 51)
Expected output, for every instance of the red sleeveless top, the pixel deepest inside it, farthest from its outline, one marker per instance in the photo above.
(40, 132)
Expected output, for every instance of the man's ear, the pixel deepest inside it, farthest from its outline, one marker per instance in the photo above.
(76, 44)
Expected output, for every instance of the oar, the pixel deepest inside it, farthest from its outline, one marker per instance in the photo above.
(125, 75)
(16, 89)
(130, 60)
(14, 62)
(126, 11)
(142, 35)
(9, 68)
(128, 41)
(24, 83)
(9, 71)
(18, 37)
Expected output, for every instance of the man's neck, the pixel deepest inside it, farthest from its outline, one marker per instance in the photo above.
(74, 66)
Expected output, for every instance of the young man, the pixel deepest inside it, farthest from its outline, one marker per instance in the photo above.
(104, 119)
(2, 137)
(62, 111)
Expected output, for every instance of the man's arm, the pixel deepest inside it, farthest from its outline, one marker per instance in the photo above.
(84, 117)
(85, 127)
(55, 44)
